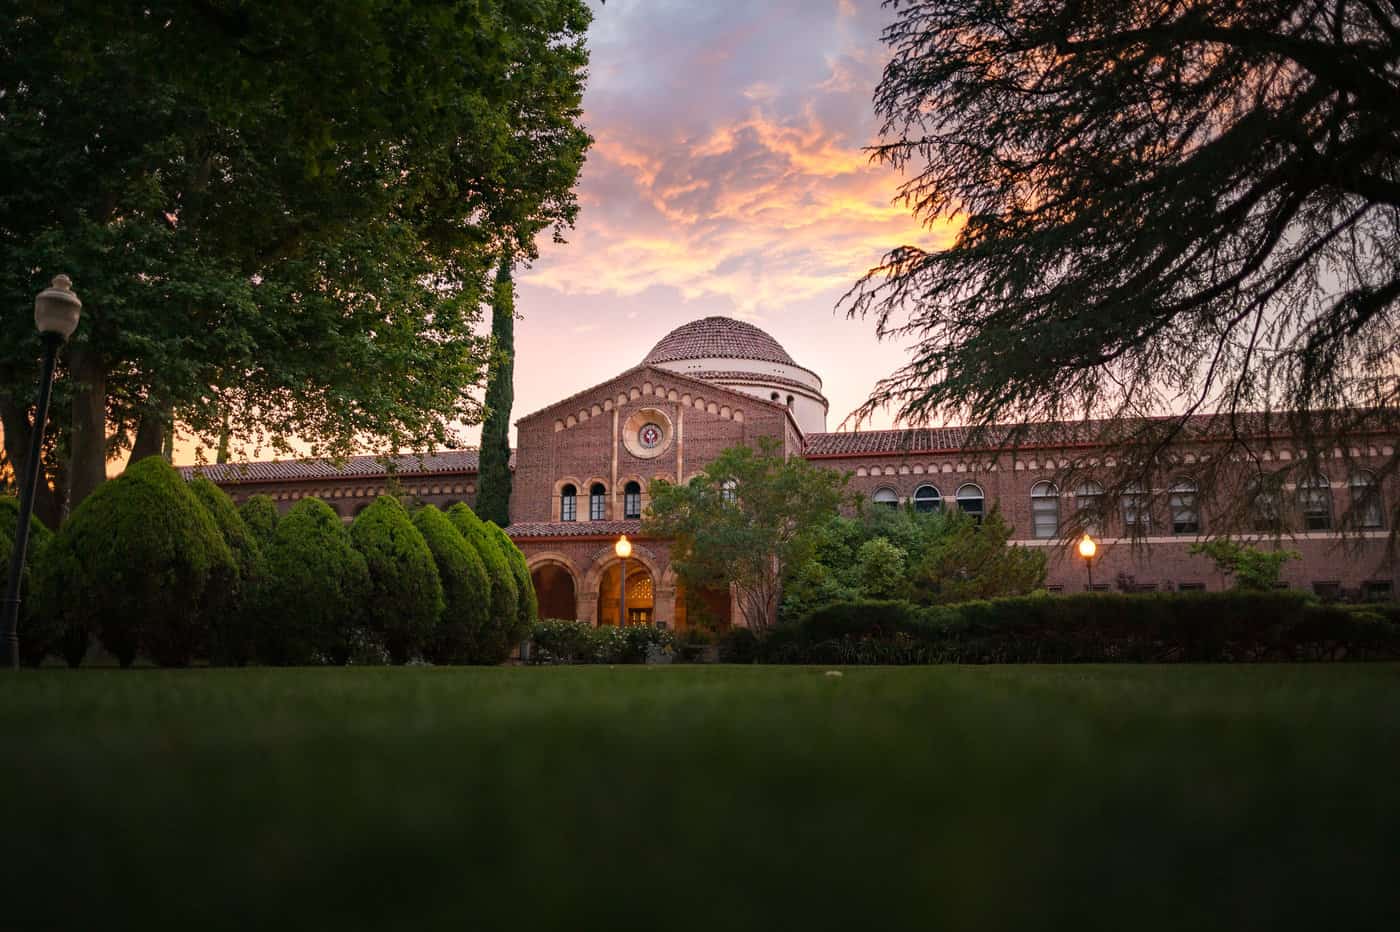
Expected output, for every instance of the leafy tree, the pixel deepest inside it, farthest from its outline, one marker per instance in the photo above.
(259, 514)
(466, 589)
(1184, 207)
(404, 601)
(501, 634)
(1253, 569)
(281, 218)
(527, 601)
(882, 571)
(313, 596)
(38, 634)
(748, 518)
(231, 634)
(141, 563)
(972, 561)
(494, 480)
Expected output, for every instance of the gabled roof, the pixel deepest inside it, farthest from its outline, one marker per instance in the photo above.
(447, 462)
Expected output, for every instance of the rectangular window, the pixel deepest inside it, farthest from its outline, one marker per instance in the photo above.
(1054, 588)
(1377, 590)
(596, 504)
(1328, 590)
(632, 505)
(568, 508)
(1191, 587)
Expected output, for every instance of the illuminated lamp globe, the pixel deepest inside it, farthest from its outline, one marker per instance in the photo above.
(56, 308)
(623, 547)
(1087, 547)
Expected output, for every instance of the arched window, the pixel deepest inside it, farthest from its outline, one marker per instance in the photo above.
(790, 400)
(1045, 510)
(887, 498)
(632, 500)
(1088, 504)
(597, 502)
(1315, 501)
(775, 396)
(971, 500)
(1185, 511)
(927, 499)
(1366, 500)
(568, 503)
(1265, 505)
(1137, 510)
(728, 491)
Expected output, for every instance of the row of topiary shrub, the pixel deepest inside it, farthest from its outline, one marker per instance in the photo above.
(553, 641)
(152, 565)
(1092, 627)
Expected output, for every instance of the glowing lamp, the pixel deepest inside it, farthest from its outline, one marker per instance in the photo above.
(1087, 547)
(623, 547)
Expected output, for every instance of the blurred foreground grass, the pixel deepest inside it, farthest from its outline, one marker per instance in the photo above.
(703, 798)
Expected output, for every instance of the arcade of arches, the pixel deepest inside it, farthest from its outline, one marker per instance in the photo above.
(561, 596)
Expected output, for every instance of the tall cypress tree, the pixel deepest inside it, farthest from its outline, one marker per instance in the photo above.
(493, 484)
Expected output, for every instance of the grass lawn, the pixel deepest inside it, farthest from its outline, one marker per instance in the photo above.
(708, 798)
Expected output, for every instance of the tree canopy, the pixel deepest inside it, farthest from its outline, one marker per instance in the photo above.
(281, 219)
(1175, 208)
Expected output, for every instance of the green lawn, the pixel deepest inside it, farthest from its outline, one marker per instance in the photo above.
(703, 798)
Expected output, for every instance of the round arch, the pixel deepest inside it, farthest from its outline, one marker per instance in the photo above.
(556, 585)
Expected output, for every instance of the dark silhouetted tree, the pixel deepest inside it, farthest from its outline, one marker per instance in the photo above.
(493, 499)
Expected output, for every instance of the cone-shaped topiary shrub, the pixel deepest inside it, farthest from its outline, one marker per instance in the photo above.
(259, 513)
(38, 634)
(140, 562)
(466, 589)
(527, 603)
(230, 624)
(311, 600)
(501, 634)
(405, 599)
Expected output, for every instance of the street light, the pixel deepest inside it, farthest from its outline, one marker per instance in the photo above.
(56, 310)
(1087, 549)
(623, 549)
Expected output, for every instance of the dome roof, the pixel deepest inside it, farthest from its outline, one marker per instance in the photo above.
(718, 338)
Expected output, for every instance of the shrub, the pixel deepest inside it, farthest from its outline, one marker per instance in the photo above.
(231, 626)
(1254, 569)
(404, 601)
(502, 632)
(880, 567)
(466, 589)
(313, 593)
(527, 602)
(38, 633)
(738, 645)
(259, 513)
(559, 641)
(140, 562)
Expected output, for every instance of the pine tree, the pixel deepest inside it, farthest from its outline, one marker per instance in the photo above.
(493, 499)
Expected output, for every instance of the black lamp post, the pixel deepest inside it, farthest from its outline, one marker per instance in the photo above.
(56, 312)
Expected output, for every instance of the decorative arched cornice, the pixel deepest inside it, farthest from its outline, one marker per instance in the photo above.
(604, 559)
(553, 558)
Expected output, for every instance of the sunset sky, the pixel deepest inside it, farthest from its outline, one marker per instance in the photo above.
(727, 177)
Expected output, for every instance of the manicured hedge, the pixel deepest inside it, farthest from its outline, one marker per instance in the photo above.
(504, 630)
(466, 590)
(527, 603)
(259, 514)
(1156, 627)
(231, 625)
(404, 601)
(571, 642)
(310, 608)
(141, 563)
(38, 635)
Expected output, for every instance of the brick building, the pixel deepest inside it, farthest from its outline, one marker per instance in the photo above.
(582, 466)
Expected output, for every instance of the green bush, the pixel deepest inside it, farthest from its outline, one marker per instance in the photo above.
(503, 632)
(141, 563)
(466, 589)
(738, 645)
(554, 641)
(313, 594)
(559, 641)
(231, 625)
(259, 513)
(527, 602)
(405, 595)
(39, 635)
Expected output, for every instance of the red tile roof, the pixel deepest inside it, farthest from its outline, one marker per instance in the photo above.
(447, 462)
(718, 338)
(863, 442)
(574, 528)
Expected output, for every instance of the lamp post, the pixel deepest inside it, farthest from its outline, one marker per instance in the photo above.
(623, 549)
(1087, 549)
(56, 310)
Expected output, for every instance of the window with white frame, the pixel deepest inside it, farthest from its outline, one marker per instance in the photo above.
(1088, 503)
(971, 501)
(1137, 510)
(1265, 505)
(568, 503)
(729, 491)
(597, 502)
(887, 498)
(927, 499)
(1315, 502)
(1184, 507)
(632, 500)
(1045, 510)
(1366, 500)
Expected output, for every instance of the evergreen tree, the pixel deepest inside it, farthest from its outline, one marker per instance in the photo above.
(527, 602)
(404, 601)
(259, 514)
(502, 633)
(230, 625)
(38, 634)
(466, 589)
(494, 478)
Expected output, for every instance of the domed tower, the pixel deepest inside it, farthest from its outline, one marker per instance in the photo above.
(742, 357)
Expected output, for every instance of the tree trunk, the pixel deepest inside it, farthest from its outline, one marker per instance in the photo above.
(88, 456)
(150, 435)
(18, 434)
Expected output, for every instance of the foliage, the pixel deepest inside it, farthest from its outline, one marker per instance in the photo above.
(1113, 252)
(296, 246)
(466, 589)
(231, 634)
(527, 600)
(746, 520)
(975, 561)
(315, 590)
(259, 514)
(566, 642)
(1253, 569)
(405, 600)
(494, 475)
(881, 569)
(38, 633)
(503, 632)
(141, 563)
